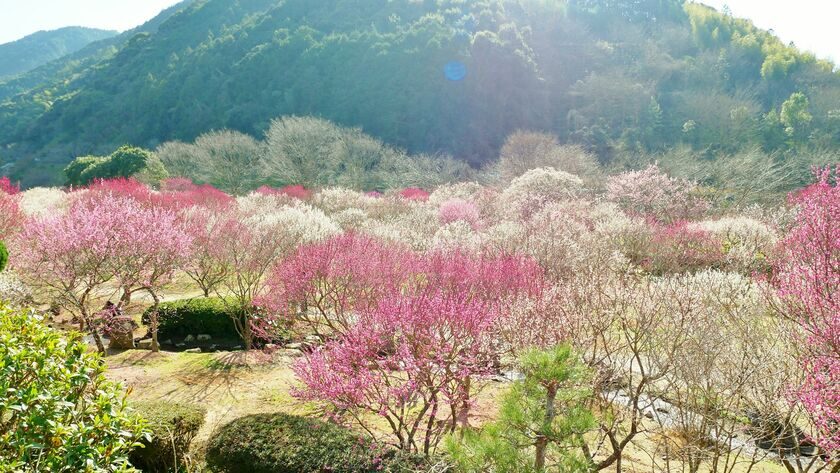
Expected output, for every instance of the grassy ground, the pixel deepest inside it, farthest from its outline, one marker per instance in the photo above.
(233, 384)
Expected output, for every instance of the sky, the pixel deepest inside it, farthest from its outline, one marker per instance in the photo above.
(22, 17)
(810, 24)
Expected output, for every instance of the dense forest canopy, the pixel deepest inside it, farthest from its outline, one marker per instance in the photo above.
(619, 77)
(42, 47)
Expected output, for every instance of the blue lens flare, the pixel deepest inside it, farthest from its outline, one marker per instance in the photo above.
(455, 71)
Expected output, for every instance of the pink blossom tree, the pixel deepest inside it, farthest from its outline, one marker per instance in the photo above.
(153, 245)
(412, 357)
(652, 193)
(102, 240)
(454, 210)
(808, 283)
(325, 284)
(206, 226)
(11, 216)
(69, 256)
(414, 193)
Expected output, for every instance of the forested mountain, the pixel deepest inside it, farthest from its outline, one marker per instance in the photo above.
(42, 47)
(432, 76)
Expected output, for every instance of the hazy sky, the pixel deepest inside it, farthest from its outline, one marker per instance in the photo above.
(811, 24)
(22, 17)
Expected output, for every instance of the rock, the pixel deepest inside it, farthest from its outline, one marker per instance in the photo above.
(121, 333)
(291, 353)
(193, 350)
(180, 345)
(313, 339)
(166, 342)
(189, 339)
(145, 344)
(294, 346)
(204, 337)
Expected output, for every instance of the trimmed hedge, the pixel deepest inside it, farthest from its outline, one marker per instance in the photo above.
(173, 427)
(202, 316)
(4, 256)
(282, 443)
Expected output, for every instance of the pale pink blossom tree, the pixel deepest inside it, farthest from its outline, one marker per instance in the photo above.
(652, 193)
(70, 255)
(152, 245)
(102, 240)
(454, 210)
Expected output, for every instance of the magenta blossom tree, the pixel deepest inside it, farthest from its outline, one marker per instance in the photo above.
(412, 358)
(808, 283)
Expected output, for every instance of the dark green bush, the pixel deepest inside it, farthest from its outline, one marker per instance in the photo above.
(4, 256)
(209, 316)
(282, 443)
(173, 427)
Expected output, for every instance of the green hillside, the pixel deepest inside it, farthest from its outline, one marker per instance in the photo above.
(433, 76)
(42, 47)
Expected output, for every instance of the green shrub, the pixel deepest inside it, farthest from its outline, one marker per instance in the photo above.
(126, 161)
(58, 411)
(4, 256)
(173, 427)
(282, 443)
(209, 316)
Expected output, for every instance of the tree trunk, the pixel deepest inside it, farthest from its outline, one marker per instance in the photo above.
(246, 334)
(464, 411)
(542, 440)
(126, 297)
(153, 322)
(93, 331)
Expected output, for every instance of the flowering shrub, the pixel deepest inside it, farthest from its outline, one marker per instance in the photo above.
(808, 281)
(455, 210)
(294, 191)
(414, 193)
(468, 191)
(337, 199)
(43, 200)
(7, 187)
(747, 243)
(533, 190)
(652, 193)
(680, 247)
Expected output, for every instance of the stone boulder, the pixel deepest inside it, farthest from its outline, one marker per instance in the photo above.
(121, 332)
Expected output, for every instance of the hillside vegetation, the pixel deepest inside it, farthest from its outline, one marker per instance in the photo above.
(622, 78)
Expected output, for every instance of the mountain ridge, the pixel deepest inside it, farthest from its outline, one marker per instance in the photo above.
(33, 50)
